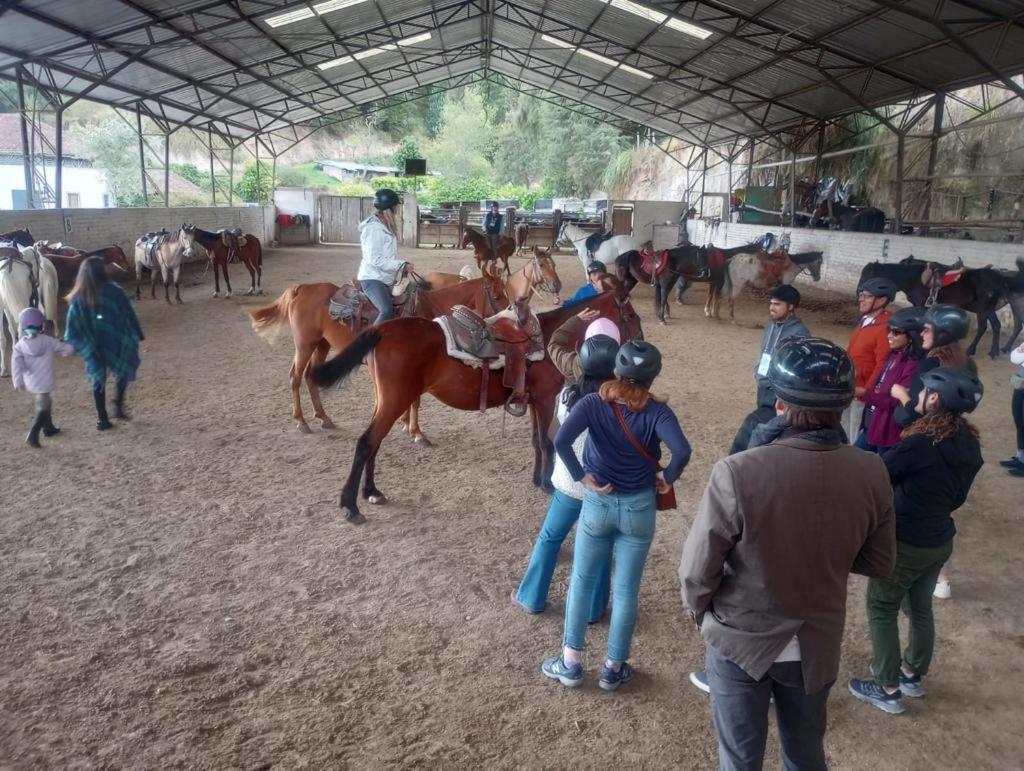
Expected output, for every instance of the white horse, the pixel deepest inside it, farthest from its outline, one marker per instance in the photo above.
(764, 273)
(606, 253)
(170, 254)
(17, 276)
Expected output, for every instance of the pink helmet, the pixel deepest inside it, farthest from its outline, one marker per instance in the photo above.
(31, 317)
(603, 326)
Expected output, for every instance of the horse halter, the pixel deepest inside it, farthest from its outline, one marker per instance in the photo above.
(544, 284)
(626, 321)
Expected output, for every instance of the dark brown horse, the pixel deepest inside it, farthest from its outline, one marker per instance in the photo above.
(522, 232)
(982, 291)
(67, 260)
(224, 247)
(314, 331)
(20, 237)
(482, 248)
(409, 358)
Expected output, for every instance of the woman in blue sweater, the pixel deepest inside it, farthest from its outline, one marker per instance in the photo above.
(617, 518)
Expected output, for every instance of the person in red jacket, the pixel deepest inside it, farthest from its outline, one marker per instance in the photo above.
(869, 343)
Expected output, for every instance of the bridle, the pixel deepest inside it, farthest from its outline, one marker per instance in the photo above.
(627, 319)
(543, 283)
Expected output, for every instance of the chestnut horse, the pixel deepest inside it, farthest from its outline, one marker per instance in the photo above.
(410, 359)
(482, 248)
(251, 255)
(315, 331)
(67, 260)
(522, 232)
(539, 272)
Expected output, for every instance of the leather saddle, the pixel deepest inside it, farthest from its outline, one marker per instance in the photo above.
(936, 277)
(653, 263)
(593, 242)
(509, 341)
(350, 305)
(233, 240)
(150, 242)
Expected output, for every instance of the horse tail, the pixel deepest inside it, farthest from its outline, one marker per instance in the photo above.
(267, 319)
(259, 253)
(348, 361)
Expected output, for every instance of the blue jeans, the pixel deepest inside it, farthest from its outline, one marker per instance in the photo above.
(862, 443)
(563, 512)
(379, 294)
(619, 524)
(739, 704)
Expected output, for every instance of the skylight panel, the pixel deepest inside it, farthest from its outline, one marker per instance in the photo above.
(368, 52)
(597, 57)
(657, 17)
(308, 13)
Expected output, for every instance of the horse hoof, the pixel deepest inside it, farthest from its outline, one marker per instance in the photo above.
(302, 428)
(216, 295)
(327, 424)
(377, 499)
(420, 439)
(663, 322)
(227, 295)
(353, 517)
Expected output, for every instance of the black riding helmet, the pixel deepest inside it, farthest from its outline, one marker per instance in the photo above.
(949, 322)
(812, 372)
(878, 287)
(959, 389)
(596, 266)
(908, 319)
(597, 356)
(385, 198)
(638, 361)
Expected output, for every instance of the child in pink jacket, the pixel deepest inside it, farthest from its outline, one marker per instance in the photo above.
(32, 370)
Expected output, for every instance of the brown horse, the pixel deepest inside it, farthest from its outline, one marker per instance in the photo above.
(224, 247)
(539, 272)
(522, 232)
(482, 247)
(409, 359)
(67, 260)
(20, 237)
(315, 331)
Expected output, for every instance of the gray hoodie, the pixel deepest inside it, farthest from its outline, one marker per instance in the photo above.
(775, 333)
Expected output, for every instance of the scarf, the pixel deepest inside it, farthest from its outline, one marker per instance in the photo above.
(776, 429)
(106, 336)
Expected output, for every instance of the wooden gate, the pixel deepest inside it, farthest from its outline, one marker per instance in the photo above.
(622, 220)
(340, 217)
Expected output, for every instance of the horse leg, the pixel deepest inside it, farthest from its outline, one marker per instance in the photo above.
(541, 414)
(1017, 324)
(997, 328)
(252, 280)
(318, 357)
(177, 284)
(6, 331)
(300, 368)
(138, 281)
(152, 281)
(259, 279)
(165, 275)
(384, 416)
(227, 279)
(216, 278)
(982, 327)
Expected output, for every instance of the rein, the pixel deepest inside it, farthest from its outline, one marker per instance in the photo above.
(7, 263)
(544, 284)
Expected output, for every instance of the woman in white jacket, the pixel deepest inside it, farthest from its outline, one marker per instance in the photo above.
(1016, 463)
(380, 267)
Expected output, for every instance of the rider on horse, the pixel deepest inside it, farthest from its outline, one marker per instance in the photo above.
(493, 221)
(380, 266)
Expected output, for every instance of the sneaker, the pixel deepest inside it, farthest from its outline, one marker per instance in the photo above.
(910, 685)
(1013, 462)
(610, 679)
(943, 590)
(556, 669)
(870, 692)
(700, 679)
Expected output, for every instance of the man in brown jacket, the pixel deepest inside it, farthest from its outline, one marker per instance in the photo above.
(765, 565)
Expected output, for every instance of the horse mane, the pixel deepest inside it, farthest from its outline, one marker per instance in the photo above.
(803, 258)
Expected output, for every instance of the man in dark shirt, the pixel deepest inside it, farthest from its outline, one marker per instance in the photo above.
(492, 228)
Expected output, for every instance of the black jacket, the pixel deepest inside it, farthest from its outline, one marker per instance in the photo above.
(906, 414)
(492, 223)
(930, 481)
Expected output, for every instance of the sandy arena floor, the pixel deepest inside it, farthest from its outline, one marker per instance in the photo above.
(182, 592)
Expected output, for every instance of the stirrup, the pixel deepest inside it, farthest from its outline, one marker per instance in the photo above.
(516, 408)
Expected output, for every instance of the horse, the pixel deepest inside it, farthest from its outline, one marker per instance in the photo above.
(522, 232)
(608, 252)
(482, 247)
(982, 291)
(26, 279)
(167, 255)
(764, 271)
(538, 272)
(1015, 296)
(853, 218)
(17, 238)
(314, 331)
(67, 260)
(410, 358)
(438, 280)
(226, 246)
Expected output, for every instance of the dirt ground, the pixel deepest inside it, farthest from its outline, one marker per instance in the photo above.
(182, 591)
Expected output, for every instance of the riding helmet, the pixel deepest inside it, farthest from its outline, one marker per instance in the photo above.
(812, 372)
(638, 361)
(959, 389)
(878, 287)
(596, 266)
(908, 319)
(385, 199)
(786, 293)
(31, 318)
(597, 356)
(948, 320)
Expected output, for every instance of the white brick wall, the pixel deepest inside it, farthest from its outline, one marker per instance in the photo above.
(845, 254)
(96, 228)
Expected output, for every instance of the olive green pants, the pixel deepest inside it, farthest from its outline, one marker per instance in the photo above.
(910, 585)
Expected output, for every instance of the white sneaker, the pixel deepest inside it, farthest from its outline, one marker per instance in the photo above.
(943, 591)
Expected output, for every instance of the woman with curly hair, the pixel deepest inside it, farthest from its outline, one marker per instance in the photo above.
(931, 472)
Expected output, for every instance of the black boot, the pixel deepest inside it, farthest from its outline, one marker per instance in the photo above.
(48, 428)
(32, 440)
(119, 412)
(102, 421)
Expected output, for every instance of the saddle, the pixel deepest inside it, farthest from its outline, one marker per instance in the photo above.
(593, 242)
(653, 264)
(936, 277)
(774, 263)
(509, 341)
(350, 305)
(233, 240)
(150, 242)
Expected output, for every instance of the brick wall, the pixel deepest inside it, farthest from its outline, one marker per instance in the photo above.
(96, 228)
(845, 254)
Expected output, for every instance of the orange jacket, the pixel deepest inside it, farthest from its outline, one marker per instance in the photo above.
(869, 347)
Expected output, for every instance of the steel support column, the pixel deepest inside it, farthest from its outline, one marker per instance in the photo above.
(213, 179)
(59, 160)
(933, 154)
(703, 178)
(750, 162)
(167, 168)
(818, 152)
(900, 145)
(26, 150)
(231, 178)
(792, 185)
(142, 153)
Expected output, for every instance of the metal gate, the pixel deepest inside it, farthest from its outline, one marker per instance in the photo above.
(340, 217)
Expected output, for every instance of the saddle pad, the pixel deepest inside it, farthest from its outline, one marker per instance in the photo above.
(467, 358)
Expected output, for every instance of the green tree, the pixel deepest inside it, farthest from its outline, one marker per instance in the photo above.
(458, 150)
(434, 116)
(113, 147)
(406, 149)
(255, 186)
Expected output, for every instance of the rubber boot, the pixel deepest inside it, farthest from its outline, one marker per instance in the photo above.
(48, 428)
(119, 412)
(32, 440)
(102, 421)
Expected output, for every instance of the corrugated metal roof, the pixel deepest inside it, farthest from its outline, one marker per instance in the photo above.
(763, 68)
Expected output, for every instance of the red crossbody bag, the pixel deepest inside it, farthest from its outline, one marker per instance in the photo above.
(663, 501)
